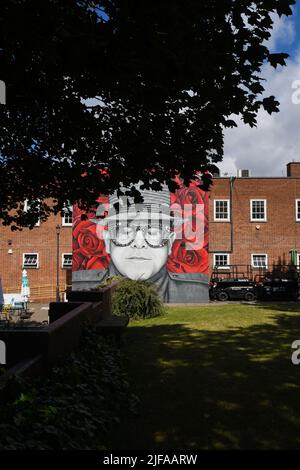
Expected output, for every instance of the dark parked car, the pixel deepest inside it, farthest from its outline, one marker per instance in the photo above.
(233, 289)
(278, 289)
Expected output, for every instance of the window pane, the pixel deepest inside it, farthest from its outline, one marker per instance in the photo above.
(221, 210)
(259, 261)
(67, 260)
(67, 216)
(258, 210)
(221, 260)
(30, 260)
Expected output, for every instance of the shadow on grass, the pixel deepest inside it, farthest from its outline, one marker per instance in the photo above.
(213, 389)
(283, 306)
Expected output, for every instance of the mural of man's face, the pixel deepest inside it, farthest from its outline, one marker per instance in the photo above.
(139, 250)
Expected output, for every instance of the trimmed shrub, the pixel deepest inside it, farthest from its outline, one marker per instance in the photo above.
(137, 299)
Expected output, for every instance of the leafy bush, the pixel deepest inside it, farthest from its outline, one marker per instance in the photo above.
(137, 299)
(75, 407)
(108, 281)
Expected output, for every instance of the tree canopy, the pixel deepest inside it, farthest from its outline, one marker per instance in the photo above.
(114, 91)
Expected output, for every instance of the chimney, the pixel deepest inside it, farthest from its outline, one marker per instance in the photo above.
(293, 169)
(244, 173)
(216, 173)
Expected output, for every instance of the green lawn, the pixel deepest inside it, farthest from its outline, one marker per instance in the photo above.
(214, 377)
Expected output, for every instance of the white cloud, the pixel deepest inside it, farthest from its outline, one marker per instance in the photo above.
(267, 149)
(284, 31)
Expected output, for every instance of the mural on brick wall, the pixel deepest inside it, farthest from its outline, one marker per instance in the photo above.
(164, 240)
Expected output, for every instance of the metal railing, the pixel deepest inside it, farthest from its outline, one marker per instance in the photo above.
(40, 292)
(239, 271)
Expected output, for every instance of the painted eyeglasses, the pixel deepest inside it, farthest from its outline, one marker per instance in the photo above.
(155, 235)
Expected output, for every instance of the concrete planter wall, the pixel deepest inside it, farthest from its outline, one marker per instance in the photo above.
(31, 352)
(62, 335)
(84, 296)
(93, 295)
(53, 341)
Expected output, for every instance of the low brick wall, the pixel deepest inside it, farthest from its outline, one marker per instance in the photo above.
(96, 295)
(59, 309)
(59, 338)
(30, 352)
(63, 335)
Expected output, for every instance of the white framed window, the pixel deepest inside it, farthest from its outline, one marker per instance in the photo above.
(27, 205)
(298, 260)
(258, 210)
(297, 210)
(259, 260)
(222, 210)
(221, 260)
(30, 260)
(67, 260)
(66, 219)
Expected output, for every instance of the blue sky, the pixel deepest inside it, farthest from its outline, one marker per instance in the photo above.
(267, 149)
(285, 42)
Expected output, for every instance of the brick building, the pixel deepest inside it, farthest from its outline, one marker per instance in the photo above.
(253, 221)
(36, 250)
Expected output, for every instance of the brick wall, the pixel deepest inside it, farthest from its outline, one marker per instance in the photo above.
(41, 240)
(275, 237)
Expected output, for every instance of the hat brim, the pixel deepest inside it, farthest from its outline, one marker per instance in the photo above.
(126, 216)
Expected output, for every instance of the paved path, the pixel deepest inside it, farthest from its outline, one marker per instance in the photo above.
(40, 311)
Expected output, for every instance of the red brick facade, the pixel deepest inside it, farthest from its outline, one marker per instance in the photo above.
(42, 240)
(239, 238)
(242, 237)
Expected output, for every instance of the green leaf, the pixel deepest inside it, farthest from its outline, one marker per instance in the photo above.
(278, 59)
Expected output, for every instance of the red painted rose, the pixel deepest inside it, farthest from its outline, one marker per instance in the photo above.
(98, 262)
(192, 202)
(79, 261)
(187, 261)
(191, 195)
(88, 244)
(77, 213)
(87, 240)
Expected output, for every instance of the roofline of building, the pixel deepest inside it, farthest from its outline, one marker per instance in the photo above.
(257, 177)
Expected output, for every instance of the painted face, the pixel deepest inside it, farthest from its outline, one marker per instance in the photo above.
(139, 250)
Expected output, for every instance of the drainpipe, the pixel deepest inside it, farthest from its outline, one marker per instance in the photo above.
(231, 182)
